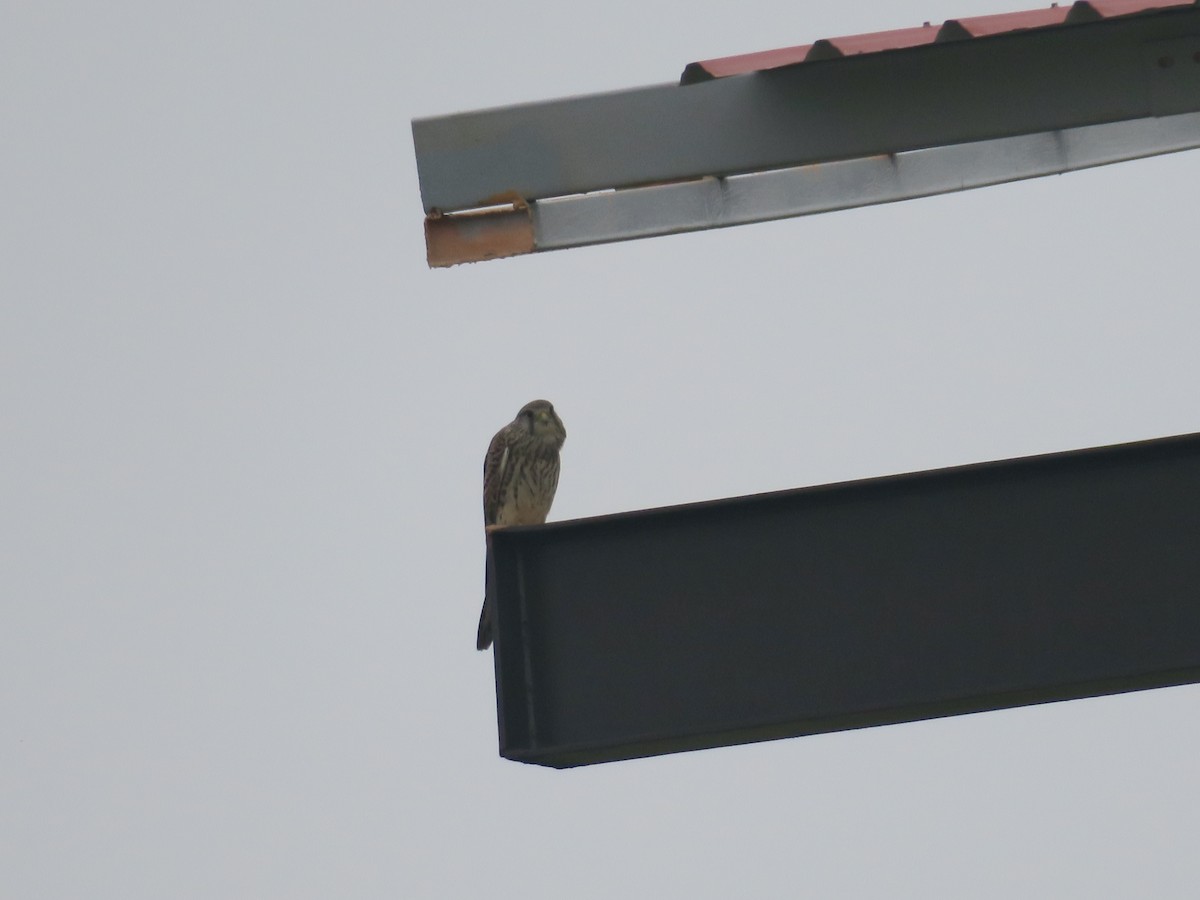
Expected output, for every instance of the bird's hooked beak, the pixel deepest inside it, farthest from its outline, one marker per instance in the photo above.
(551, 424)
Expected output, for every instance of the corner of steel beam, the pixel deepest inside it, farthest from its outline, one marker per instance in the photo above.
(493, 232)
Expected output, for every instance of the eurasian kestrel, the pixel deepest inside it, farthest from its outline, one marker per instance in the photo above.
(520, 475)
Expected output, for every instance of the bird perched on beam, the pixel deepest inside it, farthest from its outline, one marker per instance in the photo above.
(520, 476)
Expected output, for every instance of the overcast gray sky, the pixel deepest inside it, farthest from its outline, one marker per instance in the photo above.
(241, 554)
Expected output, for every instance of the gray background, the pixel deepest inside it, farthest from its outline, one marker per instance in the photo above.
(241, 554)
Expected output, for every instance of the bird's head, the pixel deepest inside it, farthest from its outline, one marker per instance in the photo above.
(540, 420)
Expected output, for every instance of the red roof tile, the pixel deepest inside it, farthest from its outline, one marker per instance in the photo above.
(901, 38)
(986, 26)
(873, 43)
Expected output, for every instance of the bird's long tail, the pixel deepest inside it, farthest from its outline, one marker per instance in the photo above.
(483, 638)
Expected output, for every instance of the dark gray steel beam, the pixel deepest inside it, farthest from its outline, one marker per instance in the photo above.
(935, 95)
(843, 606)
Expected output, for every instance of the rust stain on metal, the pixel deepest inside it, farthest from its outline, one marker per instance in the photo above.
(475, 236)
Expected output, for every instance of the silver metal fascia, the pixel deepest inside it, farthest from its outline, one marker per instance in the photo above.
(1027, 82)
(714, 202)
